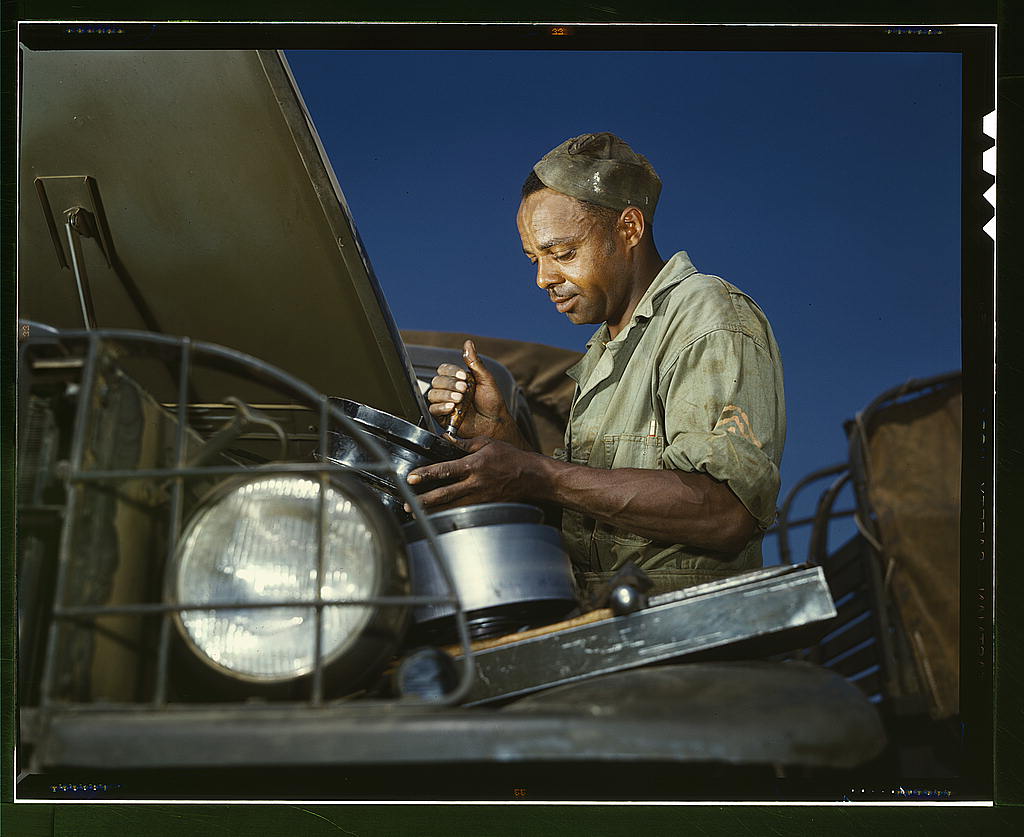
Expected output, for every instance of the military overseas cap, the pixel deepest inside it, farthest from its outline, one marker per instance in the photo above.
(602, 169)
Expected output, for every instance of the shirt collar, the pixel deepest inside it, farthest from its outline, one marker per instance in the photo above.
(675, 271)
(599, 336)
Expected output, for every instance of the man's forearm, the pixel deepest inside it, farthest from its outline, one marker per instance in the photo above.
(665, 505)
(671, 506)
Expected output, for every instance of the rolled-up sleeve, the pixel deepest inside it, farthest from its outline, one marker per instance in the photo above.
(722, 400)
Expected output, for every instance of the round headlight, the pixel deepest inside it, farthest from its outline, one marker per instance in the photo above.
(256, 542)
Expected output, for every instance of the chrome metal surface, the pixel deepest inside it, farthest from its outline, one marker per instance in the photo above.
(393, 428)
(774, 601)
(78, 267)
(466, 517)
(724, 584)
(408, 446)
(503, 564)
(360, 646)
(626, 599)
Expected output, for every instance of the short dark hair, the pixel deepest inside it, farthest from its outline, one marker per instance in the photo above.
(532, 184)
(605, 214)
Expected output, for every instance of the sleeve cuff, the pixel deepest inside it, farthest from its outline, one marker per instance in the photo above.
(751, 475)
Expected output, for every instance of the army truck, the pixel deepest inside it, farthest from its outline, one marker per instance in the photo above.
(214, 603)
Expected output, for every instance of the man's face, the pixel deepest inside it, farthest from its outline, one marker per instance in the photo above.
(579, 257)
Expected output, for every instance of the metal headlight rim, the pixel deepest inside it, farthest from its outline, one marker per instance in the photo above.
(387, 545)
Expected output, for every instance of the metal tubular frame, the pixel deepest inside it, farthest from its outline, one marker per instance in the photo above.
(857, 467)
(823, 516)
(163, 652)
(781, 529)
(78, 479)
(72, 493)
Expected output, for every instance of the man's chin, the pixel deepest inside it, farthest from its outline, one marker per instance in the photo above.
(577, 317)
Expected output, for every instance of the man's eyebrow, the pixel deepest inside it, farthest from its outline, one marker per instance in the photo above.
(554, 242)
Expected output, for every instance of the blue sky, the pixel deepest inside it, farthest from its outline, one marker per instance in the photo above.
(825, 185)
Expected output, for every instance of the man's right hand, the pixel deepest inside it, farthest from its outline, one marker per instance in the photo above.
(486, 414)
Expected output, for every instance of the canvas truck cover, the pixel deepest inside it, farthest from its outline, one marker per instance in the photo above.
(913, 458)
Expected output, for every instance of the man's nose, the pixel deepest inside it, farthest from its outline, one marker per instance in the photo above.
(546, 275)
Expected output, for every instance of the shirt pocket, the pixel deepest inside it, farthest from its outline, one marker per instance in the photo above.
(626, 450)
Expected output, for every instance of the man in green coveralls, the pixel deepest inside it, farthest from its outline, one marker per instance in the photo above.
(672, 450)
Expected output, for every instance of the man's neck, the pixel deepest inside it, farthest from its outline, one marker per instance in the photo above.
(647, 266)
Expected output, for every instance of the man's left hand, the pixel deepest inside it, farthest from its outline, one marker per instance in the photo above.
(493, 472)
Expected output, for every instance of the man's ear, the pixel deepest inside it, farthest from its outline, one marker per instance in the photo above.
(632, 225)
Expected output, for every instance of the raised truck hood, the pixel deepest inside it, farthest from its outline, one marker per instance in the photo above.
(216, 215)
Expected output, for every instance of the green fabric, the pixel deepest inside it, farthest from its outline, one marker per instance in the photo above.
(602, 169)
(694, 383)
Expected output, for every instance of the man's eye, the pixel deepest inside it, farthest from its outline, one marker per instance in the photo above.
(567, 256)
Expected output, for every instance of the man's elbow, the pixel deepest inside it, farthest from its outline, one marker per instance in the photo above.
(736, 525)
(738, 531)
(724, 524)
